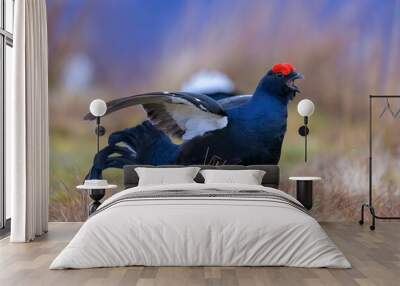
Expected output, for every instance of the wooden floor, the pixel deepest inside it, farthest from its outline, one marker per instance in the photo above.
(375, 257)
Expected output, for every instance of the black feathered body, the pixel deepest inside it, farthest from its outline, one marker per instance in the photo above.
(254, 132)
(254, 135)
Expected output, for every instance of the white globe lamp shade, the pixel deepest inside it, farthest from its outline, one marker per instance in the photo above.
(98, 107)
(305, 107)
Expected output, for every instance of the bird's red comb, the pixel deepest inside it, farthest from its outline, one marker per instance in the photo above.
(283, 68)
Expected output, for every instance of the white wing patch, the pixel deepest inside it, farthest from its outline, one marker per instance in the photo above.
(208, 81)
(192, 120)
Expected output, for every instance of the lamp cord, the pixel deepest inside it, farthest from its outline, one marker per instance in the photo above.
(305, 138)
(97, 133)
(305, 147)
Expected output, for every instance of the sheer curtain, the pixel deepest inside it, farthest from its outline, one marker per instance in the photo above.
(27, 143)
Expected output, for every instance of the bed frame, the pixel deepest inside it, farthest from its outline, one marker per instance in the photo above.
(271, 177)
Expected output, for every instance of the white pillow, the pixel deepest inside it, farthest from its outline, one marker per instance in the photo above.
(247, 177)
(166, 176)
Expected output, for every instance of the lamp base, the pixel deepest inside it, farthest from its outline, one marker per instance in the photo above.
(100, 130)
(304, 131)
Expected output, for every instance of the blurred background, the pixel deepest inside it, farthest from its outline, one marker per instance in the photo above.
(346, 50)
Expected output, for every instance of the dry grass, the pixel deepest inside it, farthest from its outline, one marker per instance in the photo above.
(338, 197)
(67, 204)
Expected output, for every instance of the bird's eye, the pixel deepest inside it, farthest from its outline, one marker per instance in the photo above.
(279, 75)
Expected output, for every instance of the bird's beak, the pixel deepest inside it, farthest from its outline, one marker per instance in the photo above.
(291, 78)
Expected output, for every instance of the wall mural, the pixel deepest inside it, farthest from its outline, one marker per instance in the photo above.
(221, 49)
(214, 128)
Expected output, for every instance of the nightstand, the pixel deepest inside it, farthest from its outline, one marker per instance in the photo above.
(304, 190)
(97, 190)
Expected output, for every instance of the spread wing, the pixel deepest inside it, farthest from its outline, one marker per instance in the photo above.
(221, 95)
(180, 114)
(234, 101)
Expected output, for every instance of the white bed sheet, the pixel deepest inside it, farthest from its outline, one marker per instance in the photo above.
(200, 231)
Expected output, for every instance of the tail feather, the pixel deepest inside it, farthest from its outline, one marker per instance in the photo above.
(143, 145)
(151, 145)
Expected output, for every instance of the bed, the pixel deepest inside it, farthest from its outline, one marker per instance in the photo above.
(199, 224)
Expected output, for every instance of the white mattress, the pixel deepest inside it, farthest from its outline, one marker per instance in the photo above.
(200, 231)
